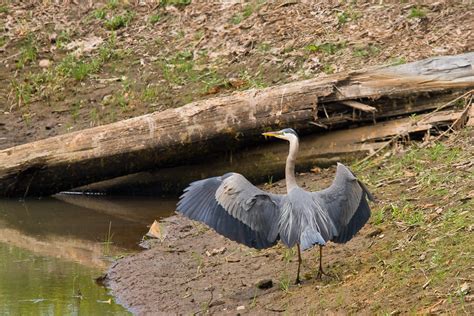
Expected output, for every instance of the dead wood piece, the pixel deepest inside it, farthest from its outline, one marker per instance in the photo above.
(359, 106)
(470, 115)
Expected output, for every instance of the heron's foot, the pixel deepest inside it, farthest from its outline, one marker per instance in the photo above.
(298, 281)
(321, 273)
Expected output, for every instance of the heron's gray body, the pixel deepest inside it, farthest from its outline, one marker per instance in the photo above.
(235, 208)
(303, 220)
(238, 210)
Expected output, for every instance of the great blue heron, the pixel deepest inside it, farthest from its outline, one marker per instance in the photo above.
(238, 210)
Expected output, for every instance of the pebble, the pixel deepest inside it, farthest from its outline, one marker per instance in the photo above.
(465, 289)
(241, 308)
(44, 63)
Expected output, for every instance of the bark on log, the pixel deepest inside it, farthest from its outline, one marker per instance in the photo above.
(174, 136)
(267, 161)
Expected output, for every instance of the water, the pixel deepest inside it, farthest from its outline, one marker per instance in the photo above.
(51, 250)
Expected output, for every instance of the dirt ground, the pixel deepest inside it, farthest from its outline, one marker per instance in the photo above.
(413, 257)
(68, 65)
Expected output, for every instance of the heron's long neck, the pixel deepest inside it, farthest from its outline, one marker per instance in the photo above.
(290, 165)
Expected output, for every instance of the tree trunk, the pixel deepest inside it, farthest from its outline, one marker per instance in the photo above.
(176, 136)
(267, 161)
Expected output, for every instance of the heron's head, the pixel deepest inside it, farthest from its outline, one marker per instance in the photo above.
(286, 134)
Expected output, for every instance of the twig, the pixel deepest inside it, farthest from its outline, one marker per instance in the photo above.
(319, 124)
(9, 57)
(277, 310)
(192, 279)
(452, 126)
(393, 139)
(470, 92)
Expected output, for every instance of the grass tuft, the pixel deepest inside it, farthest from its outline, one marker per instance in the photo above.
(28, 52)
(118, 21)
(416, 12)
(328, 48)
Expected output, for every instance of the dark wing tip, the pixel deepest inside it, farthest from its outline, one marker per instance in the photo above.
(369, 195)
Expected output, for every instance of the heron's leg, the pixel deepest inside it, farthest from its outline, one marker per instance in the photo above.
(299, 265)
(320, 272)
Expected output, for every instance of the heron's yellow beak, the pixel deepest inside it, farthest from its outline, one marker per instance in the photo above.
(273, 134)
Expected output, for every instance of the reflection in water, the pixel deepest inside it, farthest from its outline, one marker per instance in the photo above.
(85, 218)
(52, 249)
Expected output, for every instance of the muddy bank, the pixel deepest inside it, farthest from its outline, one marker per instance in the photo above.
(196, 270)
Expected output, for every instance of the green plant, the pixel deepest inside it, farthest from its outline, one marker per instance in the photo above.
(113, 4)
(212, 79)
(150, 93)
(176, 3)
(342, 17)
(154, 18)
(378, 216)
(288, 254)
(94, 116)
(416, 12)
(254, 300)
(4, 9)
(284, 283)
(255, 81)
(81, 68)
(365, 51)
(99, 14)
(108, 240)
(236, 19)
(76, 68)
(23, 92)
(121, 101)
(347, 15)
(199, 261)
(328, 69)
(263, 47)
(63, 38)
(75, 111)
(3, 40)
(312, 48)
(270, 180)
(28, 51)
(118, 21)
(247, 11)
(327, 48)
(407, 214)
(179, 68)
(398, 61)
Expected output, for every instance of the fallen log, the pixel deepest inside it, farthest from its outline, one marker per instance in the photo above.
(176, 136)
(267, 161)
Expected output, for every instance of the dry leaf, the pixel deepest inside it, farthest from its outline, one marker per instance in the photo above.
(156, 231)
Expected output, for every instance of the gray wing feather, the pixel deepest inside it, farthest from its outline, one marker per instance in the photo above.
(346, 204)
(234, 208)
(256, 208)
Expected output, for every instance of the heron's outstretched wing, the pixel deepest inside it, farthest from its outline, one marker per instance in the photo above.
(234, 208)
(346, 203)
